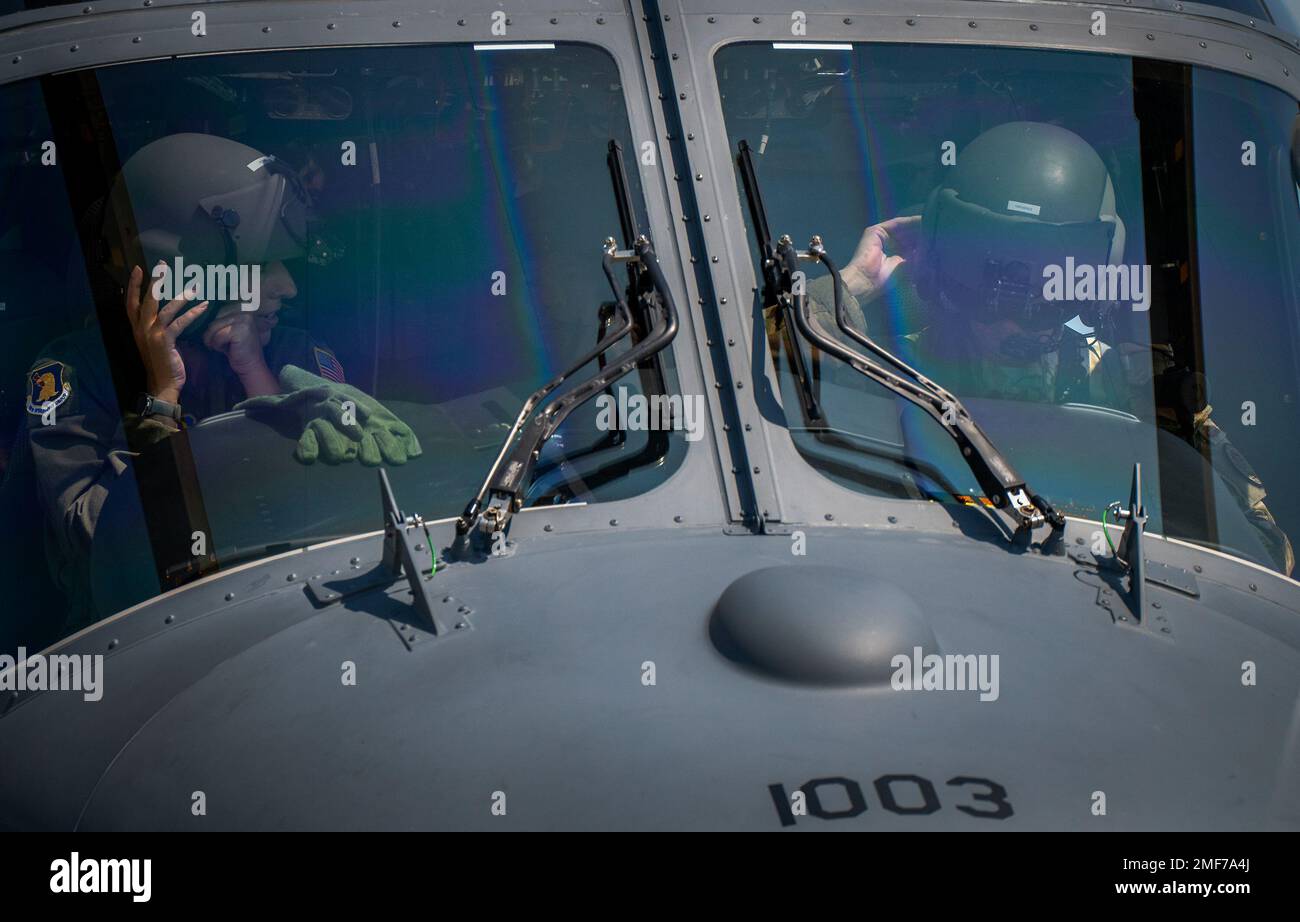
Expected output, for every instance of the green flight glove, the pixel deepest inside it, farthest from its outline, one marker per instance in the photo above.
(332, 430)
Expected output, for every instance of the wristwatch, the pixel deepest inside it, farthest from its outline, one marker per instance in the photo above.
(150, 405)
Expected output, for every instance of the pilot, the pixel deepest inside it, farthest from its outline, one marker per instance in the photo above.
(194, 201)
(1023, 198)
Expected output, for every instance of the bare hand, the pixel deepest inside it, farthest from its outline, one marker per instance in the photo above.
(869, 271)
(156, 332)
(236, 336)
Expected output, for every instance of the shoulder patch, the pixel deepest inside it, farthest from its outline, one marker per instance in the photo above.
(47, 387)
(328, 365)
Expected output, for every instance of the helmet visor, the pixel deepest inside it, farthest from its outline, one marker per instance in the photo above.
(265, 220)
(995, 266)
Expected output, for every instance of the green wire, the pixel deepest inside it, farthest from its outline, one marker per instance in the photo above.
(433, 555)
(1106, 531)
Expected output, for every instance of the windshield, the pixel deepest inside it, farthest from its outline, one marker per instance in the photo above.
(1097, 254)
(1286, 15)
(392, 258)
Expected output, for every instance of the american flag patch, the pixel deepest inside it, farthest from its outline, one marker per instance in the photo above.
(329, 366)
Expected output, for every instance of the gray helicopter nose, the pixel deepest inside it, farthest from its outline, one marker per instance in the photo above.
(817, 625)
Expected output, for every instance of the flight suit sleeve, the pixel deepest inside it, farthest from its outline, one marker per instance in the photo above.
(326, 364)
(1107, 381)
(1241, 479)
(821, 305)
(290, 346)
(78, 449)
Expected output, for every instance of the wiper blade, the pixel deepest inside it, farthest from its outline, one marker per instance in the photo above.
(1004, 487)
(652, 371)
(776, 279)
(502, 493)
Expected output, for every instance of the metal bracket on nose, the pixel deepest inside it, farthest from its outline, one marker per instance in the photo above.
(404, 552)
(1130, 557)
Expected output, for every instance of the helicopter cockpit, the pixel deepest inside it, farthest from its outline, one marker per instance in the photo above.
(420, 255)
(1097, 254)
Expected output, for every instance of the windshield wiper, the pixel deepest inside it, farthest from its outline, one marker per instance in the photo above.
(1004, 487)
(653, 325)
(776, 281)
(652, 372)
(652, 322)
(502, 493)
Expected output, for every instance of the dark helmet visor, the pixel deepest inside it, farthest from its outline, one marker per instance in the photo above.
(993, 265)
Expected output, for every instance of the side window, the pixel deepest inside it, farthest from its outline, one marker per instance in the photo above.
(1248, 247)
(44, 296)
(43, 291)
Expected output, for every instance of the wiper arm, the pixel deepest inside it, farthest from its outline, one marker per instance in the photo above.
(620, 326)
(501, 495)
(1004, 487)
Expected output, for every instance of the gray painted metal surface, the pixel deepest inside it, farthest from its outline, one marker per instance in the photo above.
(543, 699)
(770, 671)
